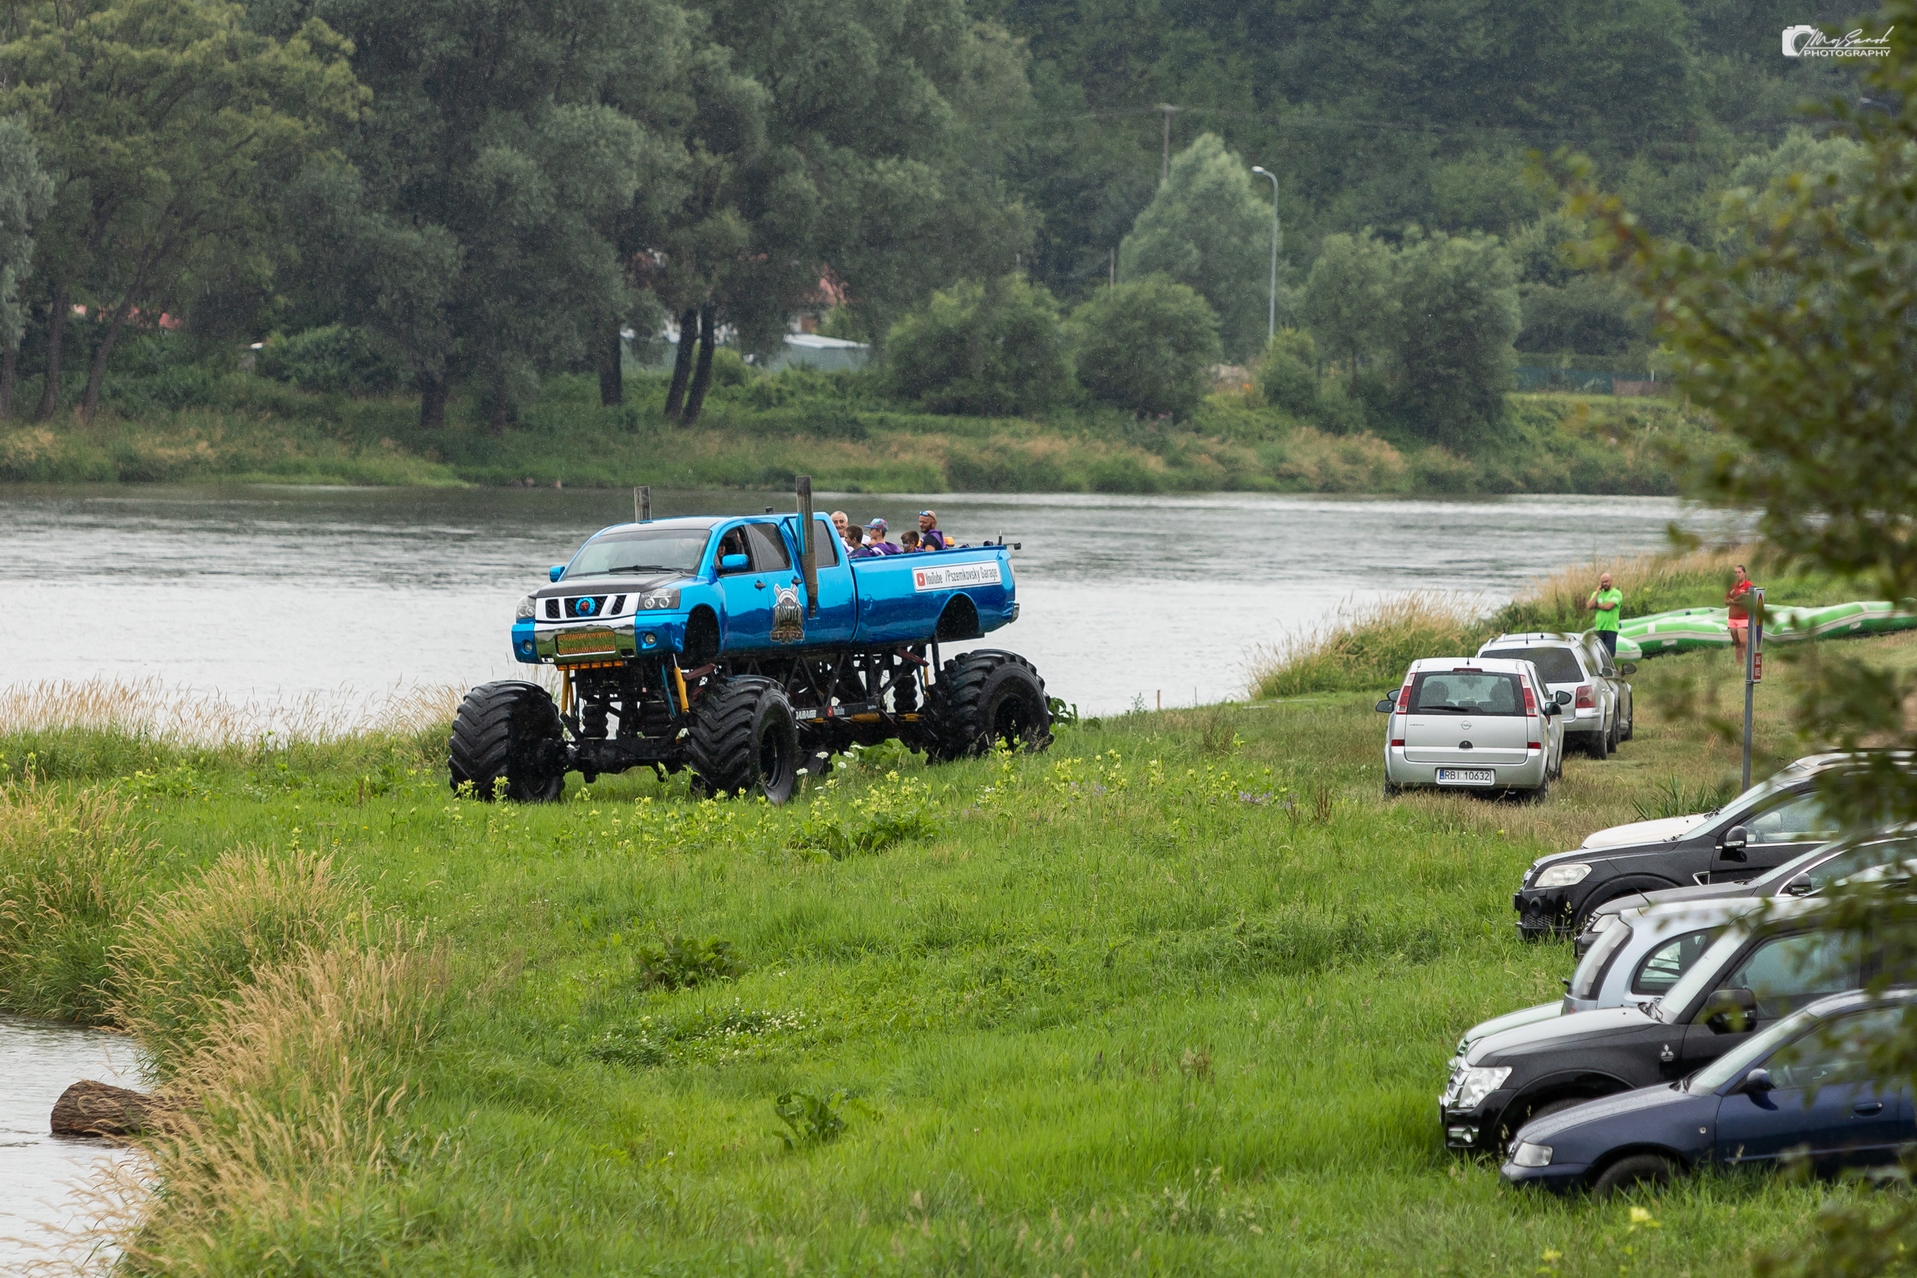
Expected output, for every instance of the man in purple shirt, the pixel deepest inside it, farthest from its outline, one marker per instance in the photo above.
(875, 542)
(929, 535)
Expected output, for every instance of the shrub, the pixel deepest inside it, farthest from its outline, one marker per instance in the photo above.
(1147, 345)
(335, 358)
(70, 868)
(991, 348)
(681, 962)
(1370, 648)
(729, 368)
(1288, 378)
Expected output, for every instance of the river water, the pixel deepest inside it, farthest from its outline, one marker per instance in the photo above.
(38, 1172)
(332, 594)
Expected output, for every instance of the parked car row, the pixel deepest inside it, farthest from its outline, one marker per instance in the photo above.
(1500, 722)
(1715, 1022)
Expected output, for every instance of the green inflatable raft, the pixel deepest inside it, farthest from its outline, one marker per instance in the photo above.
(1683, 629)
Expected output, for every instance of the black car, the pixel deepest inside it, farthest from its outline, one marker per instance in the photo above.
(1806, 875)
(1803, 1088)
(1747, 981)
(1767, 825)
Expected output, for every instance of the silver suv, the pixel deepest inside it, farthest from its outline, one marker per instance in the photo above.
(1598, 712)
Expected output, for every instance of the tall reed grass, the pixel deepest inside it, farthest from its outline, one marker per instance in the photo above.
(153, 709)
(1368, 646)
(72, 867)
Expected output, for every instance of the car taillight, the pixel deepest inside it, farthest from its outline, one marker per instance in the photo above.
(1404, 701)
(1530, 703)
(1398, 741)
(1587, 698)
(1534, 745)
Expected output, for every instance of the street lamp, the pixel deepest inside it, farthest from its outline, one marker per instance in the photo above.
(1271, 314)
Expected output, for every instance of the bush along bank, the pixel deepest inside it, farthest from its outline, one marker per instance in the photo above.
(1370, 648)
(759, 430)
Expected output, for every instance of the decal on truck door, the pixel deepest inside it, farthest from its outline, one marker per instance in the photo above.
(985, 574)
(788, 618)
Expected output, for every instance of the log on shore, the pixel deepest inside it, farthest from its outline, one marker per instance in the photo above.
(96, 1109)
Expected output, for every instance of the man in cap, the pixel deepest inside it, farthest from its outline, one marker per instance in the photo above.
(930, 538)
(875, 542)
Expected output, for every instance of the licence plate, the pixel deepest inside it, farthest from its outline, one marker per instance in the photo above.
(1467, 776)
(579, 643)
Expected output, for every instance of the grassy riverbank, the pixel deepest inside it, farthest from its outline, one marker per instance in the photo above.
(1370, 647)
(761, 432)
(1176, 997)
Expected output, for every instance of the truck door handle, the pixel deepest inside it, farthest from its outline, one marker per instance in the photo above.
(1867, 1108)
(759, 584)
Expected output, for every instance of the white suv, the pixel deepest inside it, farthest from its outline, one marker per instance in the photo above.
(1597, 709)
(1473, 723)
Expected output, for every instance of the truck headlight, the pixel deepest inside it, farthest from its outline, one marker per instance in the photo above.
(1529, 1155)
(1563, 875)
(667, 599)
(1475, 1082)
(526, 608)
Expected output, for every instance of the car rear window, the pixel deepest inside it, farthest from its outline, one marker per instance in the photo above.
(1466, 692)
(1555, 665)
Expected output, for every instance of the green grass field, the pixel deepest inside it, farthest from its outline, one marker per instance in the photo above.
(1176, 997)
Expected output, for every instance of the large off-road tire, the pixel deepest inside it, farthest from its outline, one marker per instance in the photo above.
(745, 739)
(983, 698)
(508, 743)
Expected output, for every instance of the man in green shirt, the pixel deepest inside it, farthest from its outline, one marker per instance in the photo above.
(1606, 603)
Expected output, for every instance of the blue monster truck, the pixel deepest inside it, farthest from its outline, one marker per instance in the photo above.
(746, 649)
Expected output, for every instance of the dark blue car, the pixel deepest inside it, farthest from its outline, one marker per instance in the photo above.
(1802, 1088)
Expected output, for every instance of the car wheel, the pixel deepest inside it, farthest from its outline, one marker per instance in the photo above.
(1617, 734)
(1598, 745)
(1540, 794)
(1630, 724)
(1392, 790)
(1627, 1173)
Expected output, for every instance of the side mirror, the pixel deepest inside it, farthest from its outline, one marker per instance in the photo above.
(555, 572)
(1553, 708)
(1735, 840)
(1800, 886)
(732, 563)
(1386, 705)
(1562, 697)
(1755, 1083)
(1628, 668)
(1728, 1011)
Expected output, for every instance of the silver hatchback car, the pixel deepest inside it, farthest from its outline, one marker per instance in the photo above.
(1473, 723)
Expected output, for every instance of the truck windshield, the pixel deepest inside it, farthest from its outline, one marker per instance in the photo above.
(1467, 692)
(1556, 665)
(641, 550)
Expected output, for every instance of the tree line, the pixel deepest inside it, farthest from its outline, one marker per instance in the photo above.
(489, 193)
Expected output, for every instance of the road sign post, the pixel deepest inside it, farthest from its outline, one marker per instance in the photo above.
(1753, 669)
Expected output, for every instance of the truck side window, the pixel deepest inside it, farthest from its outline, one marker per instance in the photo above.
(1663, 965)
(1791, 971)
(825, 538)
(767, 548)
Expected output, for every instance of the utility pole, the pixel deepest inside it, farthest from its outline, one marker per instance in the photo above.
(1271, 312)
(1164, 172)
(1753, 671)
